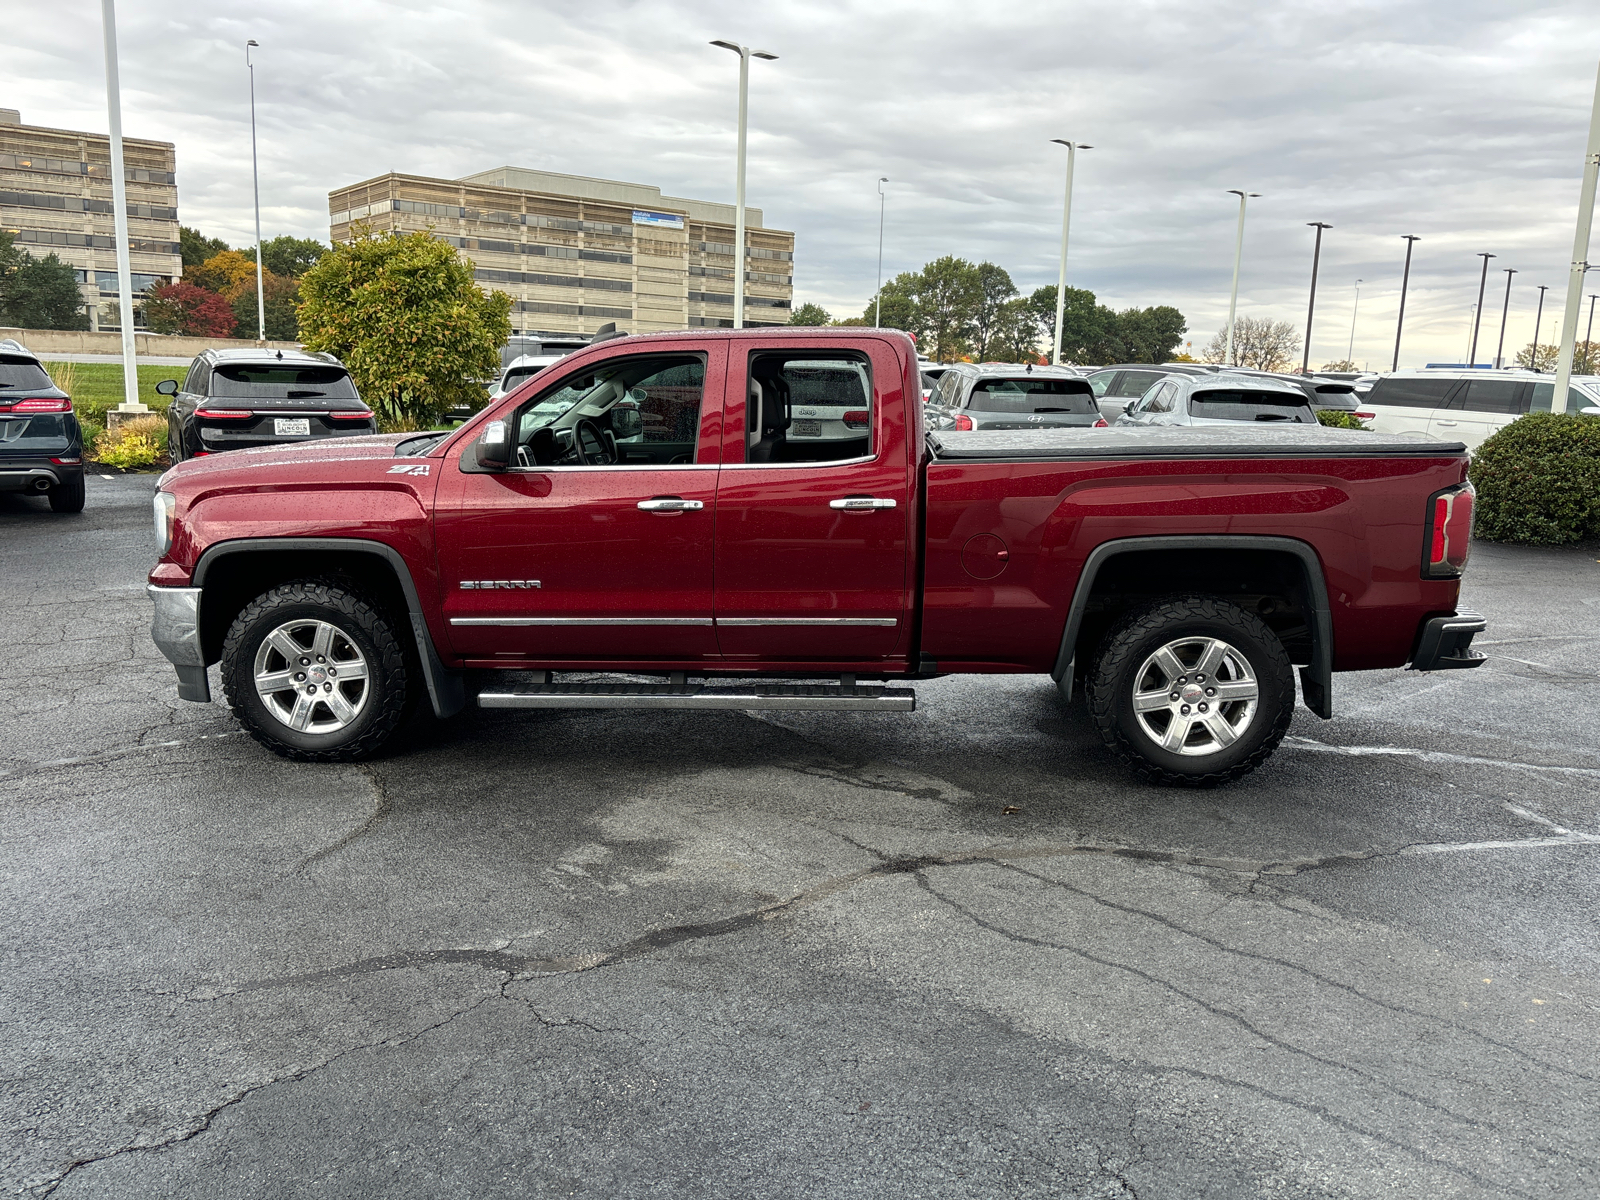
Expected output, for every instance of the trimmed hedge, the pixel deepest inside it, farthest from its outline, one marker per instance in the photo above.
(1538, 481)
(1338, 418)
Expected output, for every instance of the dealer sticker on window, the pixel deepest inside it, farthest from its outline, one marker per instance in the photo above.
(292, 426)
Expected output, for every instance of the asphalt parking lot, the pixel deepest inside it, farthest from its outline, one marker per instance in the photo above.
(959, 953)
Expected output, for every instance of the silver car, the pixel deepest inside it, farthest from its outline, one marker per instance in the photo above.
(1012, 396)
(1225, 399)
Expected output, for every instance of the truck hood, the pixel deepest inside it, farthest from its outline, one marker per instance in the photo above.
(266, 461)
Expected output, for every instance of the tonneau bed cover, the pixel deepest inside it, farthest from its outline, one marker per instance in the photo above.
(1184, 441)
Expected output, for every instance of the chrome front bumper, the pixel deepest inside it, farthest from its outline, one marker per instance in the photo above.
(176, 633)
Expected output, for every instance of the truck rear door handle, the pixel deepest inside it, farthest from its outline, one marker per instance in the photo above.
(860, 503)
(671, 504)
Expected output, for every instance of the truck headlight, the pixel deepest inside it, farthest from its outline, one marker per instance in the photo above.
(164, 507)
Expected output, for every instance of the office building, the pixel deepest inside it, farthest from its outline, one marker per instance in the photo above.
(55, 195)
(575, 253)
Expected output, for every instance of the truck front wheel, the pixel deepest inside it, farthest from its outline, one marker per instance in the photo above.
(1192, 691)
(315, 673)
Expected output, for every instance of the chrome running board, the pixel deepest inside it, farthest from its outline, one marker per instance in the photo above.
(787, 697)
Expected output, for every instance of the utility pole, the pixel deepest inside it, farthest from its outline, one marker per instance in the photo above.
(1538, 316)
(119, 203)
(1588, 340)
(745, 55)
(1238, 253)
(1411, 240)
(877, 307)
(1477, 320)
(1354, 309)
(255, 174)
(1580, 255)
(1311, 306)
(1066, 226)
(1504, 312)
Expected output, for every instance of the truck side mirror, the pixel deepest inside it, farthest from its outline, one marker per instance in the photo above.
(167, 387)
(493, 447)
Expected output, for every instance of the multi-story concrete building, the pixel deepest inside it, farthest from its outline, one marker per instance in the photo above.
(55, 195)
(574, 253)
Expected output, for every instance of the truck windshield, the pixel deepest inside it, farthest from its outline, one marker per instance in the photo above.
(1025, 395)
(281, 382)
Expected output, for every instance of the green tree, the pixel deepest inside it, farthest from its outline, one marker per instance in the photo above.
(1016, 333)
(899, 307)
(40, 293)
(1089, 331)
(810, 314)
(196, 247)
(948, 293)
(404, 315)
(283, 300)
(1541, 356)
(1150, 335)
(288, 256)
(994, 290)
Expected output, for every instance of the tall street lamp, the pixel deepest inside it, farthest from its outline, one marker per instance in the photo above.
(1588, 339)
(1505, 310)
(119, 206)
(745, 55)
(1472, 350)
(1238, 253)
(1538, 316)
(1066, 225)
(1311, 307)
(1354, 309)
(1411, 240)
(877, 308)
(1580, 254)
(255, 171)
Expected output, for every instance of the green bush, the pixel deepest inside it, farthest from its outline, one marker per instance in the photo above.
(1538, 481)
(1338, 418)
(135, 450)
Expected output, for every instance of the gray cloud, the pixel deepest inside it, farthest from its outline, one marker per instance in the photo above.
(1462, 121)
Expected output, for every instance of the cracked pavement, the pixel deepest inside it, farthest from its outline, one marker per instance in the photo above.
(954, 953)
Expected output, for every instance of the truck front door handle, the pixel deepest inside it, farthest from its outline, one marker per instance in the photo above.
(669, 505)
(860, 503)
(1452, 424)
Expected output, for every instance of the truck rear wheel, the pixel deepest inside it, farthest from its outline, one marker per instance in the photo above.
(1192, 691)
(315, 673)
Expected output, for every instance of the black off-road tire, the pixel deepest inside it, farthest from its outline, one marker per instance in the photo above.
(1126, 647)
(391, 676)
(68, 495)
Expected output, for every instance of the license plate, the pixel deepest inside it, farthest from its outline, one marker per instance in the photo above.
(292, 426)
(807, 429)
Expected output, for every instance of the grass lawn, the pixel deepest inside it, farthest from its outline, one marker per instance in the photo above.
(95, 387)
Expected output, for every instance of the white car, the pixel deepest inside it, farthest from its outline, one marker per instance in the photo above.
(1466, 406)
(827, 401)
(519, 371)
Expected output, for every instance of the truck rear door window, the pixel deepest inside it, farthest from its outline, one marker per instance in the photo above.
(1492, 396)
(805, 407)
(1025, 395)
(1397, 392)
(1243, 405)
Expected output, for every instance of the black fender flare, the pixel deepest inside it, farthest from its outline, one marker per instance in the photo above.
(1316, 680)
(446, 688)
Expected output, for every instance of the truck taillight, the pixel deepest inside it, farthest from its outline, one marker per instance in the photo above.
(963, 421)
(1449, 532)
(856, 418)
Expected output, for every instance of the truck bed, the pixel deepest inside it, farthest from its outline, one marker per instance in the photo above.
(1185, 441)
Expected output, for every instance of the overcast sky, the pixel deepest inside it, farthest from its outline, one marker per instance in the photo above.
(1459, 120)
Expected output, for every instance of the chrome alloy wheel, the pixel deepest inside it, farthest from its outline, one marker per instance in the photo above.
(1195, 696)
(311, 676)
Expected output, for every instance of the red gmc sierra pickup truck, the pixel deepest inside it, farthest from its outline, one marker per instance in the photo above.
(757, 519)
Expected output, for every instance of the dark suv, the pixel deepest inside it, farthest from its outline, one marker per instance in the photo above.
(237, 399)
(41, 445)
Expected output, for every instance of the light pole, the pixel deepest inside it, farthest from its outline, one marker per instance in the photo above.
(1580, 254)
(1505, 310)
(1354, 309)
(1538, 316)
(255, 171)
(1411, 240)
(1311, 307)
(877, 307)
(119, 205)
(1238, 253)
(745, 55)
(1472, 314)
(1472, 350)
(1588, 339)
(1066, 225)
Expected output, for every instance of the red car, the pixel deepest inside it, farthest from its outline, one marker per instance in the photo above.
(643, 508)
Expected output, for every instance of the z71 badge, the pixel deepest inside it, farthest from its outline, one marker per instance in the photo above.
(409, 469)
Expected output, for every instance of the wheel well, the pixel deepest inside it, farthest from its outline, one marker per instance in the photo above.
(1271, 584)
(233, 580)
